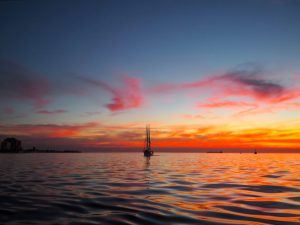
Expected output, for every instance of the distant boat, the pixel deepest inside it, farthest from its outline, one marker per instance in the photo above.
(215, 151)
(147, 148)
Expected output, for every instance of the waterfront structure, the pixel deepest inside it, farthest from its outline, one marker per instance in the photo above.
(11, 145)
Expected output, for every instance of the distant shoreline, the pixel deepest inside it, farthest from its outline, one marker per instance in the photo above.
(39, 151)
(171, 152)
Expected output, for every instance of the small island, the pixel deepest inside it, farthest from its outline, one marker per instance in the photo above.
(13, 145)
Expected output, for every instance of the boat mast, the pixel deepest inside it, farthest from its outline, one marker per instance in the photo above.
(146, 139)
(149, 139)
(147, 148)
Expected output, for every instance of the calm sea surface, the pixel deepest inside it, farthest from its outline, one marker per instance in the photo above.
(177, 188)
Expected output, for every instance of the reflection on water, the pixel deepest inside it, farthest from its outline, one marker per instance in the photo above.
(179, 188)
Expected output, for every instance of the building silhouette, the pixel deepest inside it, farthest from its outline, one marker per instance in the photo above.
(11, 145)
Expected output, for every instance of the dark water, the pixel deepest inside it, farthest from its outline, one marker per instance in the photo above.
(179, 188)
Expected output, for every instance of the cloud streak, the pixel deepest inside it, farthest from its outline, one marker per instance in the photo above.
(51, 112)
(242, 88)
(128, 96)
(251, 83)
(225, 104)
(20, 83)
(248, 82)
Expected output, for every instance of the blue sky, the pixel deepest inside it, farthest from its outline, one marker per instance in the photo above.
(105, 38)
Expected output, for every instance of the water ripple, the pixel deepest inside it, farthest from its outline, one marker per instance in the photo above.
(126, 189)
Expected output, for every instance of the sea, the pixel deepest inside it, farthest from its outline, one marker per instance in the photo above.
(168, 189)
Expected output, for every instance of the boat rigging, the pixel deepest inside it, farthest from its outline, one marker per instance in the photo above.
(147, 148)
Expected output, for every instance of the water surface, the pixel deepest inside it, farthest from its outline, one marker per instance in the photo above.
(172, 188)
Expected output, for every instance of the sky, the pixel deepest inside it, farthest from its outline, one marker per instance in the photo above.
(89, 75)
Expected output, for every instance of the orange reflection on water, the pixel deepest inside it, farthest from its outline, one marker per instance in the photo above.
(232, 188)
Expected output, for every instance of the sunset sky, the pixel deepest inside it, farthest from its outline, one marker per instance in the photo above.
(90, 75)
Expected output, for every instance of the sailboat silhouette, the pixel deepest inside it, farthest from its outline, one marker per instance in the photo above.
(147, 148)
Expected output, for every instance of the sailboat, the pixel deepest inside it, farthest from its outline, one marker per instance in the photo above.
(147, 148)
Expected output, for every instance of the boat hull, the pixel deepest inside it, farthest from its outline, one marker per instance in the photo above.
(148, 153)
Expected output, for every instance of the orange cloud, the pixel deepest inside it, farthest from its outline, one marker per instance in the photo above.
(98, 136)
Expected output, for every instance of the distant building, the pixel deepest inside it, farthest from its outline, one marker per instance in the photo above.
(11, 145)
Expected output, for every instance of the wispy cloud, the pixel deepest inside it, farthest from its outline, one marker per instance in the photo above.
(247, 86)
(269, 108)
(51, 112)
(251, 82)
(22, 84)
(128, 96)
(87, 114)
(18, 82)
(239, 82)
(189, 116)
(225, 104)
(47, 130)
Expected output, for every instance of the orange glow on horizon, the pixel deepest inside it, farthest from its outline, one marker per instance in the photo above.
(94, 135)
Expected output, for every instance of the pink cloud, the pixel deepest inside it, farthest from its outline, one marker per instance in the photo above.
(249, 83)
(20, 83)
(221, 104)
(294, 104)
(188, 116)
(167, 88)
(249, 86)
(269, 108)
(128, 96)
